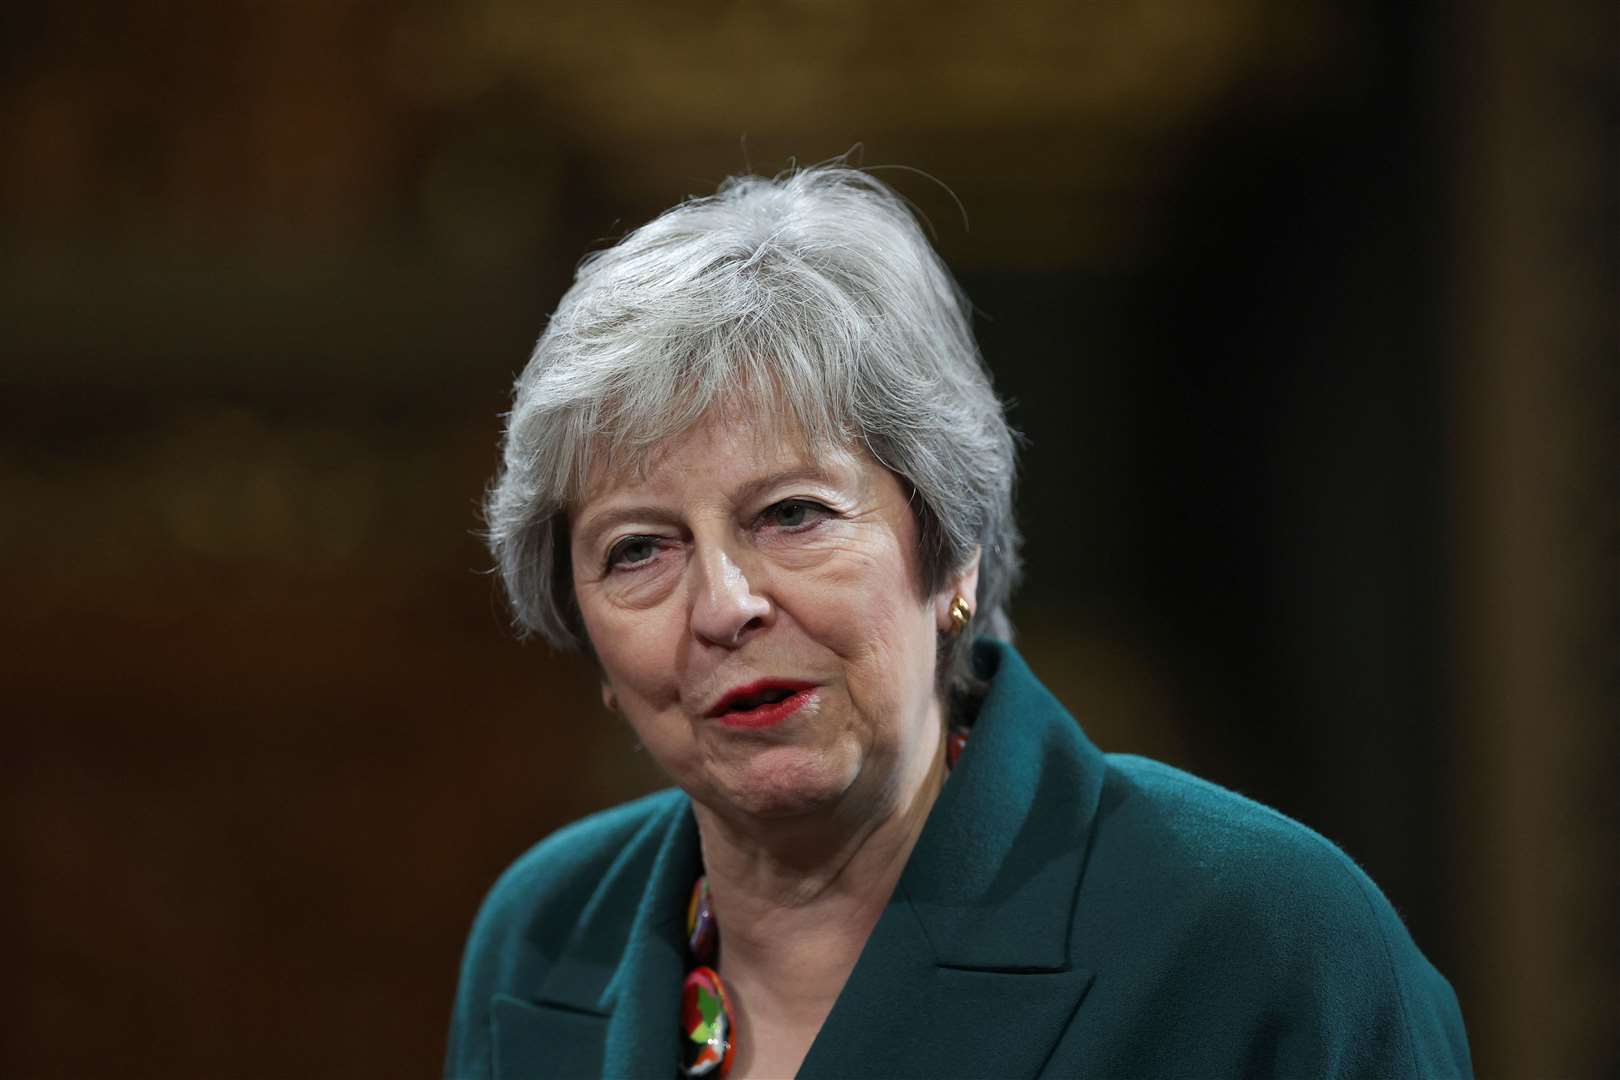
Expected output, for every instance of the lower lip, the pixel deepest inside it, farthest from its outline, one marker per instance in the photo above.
(764, 716)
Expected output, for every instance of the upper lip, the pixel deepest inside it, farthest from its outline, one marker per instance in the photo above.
(760, 686)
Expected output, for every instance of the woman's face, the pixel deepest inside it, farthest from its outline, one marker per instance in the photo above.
(742, 568)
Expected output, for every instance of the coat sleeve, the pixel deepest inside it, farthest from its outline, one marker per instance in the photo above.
(1230, 940)
(1357, 998)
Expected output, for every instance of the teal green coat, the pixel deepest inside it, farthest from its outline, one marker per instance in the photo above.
(1064, 913)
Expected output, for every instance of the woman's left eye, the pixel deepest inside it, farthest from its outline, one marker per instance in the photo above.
(632, 552)
(795, 514)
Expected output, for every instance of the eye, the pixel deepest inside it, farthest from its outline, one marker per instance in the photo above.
(632, 552)
(794, 514)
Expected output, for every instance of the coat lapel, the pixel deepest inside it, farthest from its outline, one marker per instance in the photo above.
(643, 1036)
(970, 970)
(607, 1005)
(533, 1040)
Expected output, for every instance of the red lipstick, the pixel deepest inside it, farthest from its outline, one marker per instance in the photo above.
(763, 703)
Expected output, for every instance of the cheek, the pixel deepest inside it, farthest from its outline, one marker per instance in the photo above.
(868, 610)
(635, 650)
(636, 662)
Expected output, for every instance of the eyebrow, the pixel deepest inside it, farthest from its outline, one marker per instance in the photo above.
(757, 487)
(592, 528)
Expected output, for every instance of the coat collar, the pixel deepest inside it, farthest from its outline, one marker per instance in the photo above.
(1010, 830)
(975, 945)
(974, 942)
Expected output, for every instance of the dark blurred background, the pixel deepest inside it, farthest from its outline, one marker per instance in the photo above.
(1306, 309)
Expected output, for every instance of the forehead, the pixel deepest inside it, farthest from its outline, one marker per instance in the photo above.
(728, 446)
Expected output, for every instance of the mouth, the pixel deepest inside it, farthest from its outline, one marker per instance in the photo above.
(763, 703)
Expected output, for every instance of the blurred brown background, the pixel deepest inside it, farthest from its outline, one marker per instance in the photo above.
(1306, 308)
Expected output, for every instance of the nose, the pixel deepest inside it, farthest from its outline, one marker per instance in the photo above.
(725, 608)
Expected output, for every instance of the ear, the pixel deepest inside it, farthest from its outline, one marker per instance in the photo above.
(609, 702)
(964, 583)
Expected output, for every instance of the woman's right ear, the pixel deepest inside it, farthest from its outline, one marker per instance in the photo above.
(609, 702)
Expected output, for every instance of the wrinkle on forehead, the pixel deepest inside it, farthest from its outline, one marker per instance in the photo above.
(762, 435)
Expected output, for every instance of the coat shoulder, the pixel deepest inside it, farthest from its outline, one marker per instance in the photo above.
(570, 864)
(1275, 922)
(1237, 842)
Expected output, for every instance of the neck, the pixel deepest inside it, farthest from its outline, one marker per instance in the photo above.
(795, 901)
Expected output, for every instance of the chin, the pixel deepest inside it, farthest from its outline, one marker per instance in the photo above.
(784, 782)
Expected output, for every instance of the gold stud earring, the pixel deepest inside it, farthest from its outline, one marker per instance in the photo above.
(960, 614)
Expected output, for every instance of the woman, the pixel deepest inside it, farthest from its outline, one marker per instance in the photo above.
(756, 470)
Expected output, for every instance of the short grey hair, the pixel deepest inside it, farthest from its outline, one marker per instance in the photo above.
(813, 297)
